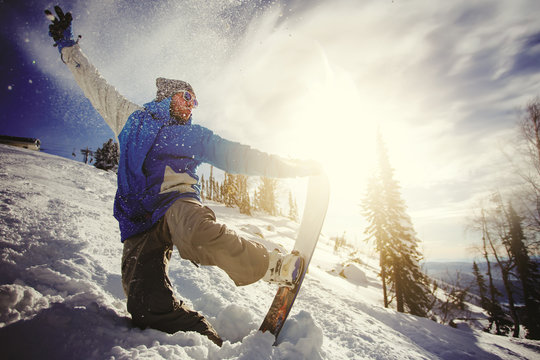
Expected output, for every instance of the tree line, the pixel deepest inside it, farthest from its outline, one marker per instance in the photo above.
(233, 190)
(509, 226)
(105, 157)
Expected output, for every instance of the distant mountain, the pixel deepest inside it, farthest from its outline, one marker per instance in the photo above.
(449, 272)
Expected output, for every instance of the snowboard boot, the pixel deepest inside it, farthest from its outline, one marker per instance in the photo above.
(284, 270)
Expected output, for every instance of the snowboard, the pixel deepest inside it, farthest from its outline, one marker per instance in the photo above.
(318, 193)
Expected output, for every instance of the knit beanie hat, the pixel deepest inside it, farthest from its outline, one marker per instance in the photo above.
(168, 87)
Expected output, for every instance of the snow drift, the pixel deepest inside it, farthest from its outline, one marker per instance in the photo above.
(61, 295)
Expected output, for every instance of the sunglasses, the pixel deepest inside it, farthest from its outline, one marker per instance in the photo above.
(190, 98)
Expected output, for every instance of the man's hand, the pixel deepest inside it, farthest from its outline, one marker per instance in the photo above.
(60, 29)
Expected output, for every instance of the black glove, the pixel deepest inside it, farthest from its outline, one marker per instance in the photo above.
(60, 29)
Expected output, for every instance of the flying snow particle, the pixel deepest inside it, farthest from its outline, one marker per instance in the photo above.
(10, 87)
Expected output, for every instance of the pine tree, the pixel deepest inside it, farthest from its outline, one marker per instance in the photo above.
(267, 195)
(210, 187)
(452, 302)
(526, 272)
(499, 235)
(256, 200)
(220, 192)
(293, 208)
(496, 315)
(107, 157)
(242, 199)
(339, 242)
(481, 284)
(488, 223)
(229, 190)
(203, 188)
(395, 239)
(374, 211)
(528, 154)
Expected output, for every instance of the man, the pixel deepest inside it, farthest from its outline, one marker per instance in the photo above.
(158, 202)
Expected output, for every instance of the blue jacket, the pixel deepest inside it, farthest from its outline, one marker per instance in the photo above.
(158, 162)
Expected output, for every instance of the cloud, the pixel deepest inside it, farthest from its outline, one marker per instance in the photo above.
(527, 60)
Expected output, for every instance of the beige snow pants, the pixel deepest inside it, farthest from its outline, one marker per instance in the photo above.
(192, 228)
(199, 238)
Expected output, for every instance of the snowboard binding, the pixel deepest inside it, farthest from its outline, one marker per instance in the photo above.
(284, 269)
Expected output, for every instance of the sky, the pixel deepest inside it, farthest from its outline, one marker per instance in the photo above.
(443, 82)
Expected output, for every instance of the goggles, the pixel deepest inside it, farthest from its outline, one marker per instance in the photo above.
(190, 98)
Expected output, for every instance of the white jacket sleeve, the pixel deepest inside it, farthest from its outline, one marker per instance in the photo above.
(111, 105)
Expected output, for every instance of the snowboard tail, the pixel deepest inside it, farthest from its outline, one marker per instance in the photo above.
(308, 234)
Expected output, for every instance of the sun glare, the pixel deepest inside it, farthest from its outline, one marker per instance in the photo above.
(336, 129)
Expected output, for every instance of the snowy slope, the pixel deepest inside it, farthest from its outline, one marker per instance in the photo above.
(61, 294)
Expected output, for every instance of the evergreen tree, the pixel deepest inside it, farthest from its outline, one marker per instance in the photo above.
(396, 239)
(220, 192)
(498, 237)
(527, 273)
(481, 284)
(496, 314)
(339, 241)
(203, 188)
(107, 157)
(210, 187)
(229, 190)
(293, 208)
(267, 195)
(452, 303)
(256, 200)
(528, 167)
(375, 213)
(490, 225)
(242, 200)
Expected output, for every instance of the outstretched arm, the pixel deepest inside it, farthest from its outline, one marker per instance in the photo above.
(203, 145)
(111, 105)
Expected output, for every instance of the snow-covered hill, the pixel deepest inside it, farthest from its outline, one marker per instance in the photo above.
(61, 294)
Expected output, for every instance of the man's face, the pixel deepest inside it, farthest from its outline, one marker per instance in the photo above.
(182, 103)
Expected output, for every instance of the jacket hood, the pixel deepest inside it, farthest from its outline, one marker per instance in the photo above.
(160, 110)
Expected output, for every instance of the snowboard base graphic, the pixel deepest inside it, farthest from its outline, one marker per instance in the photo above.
(312, 220)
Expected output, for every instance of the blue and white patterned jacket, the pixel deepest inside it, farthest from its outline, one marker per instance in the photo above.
(159, 159)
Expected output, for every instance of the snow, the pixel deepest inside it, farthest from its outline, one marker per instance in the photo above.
(352, 272)
(61, 295)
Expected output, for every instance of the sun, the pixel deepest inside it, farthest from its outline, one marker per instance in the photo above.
(336, 130)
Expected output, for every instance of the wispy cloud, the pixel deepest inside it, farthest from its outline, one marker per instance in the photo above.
(527, 60)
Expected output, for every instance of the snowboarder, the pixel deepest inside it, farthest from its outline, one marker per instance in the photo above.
(158, 203)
